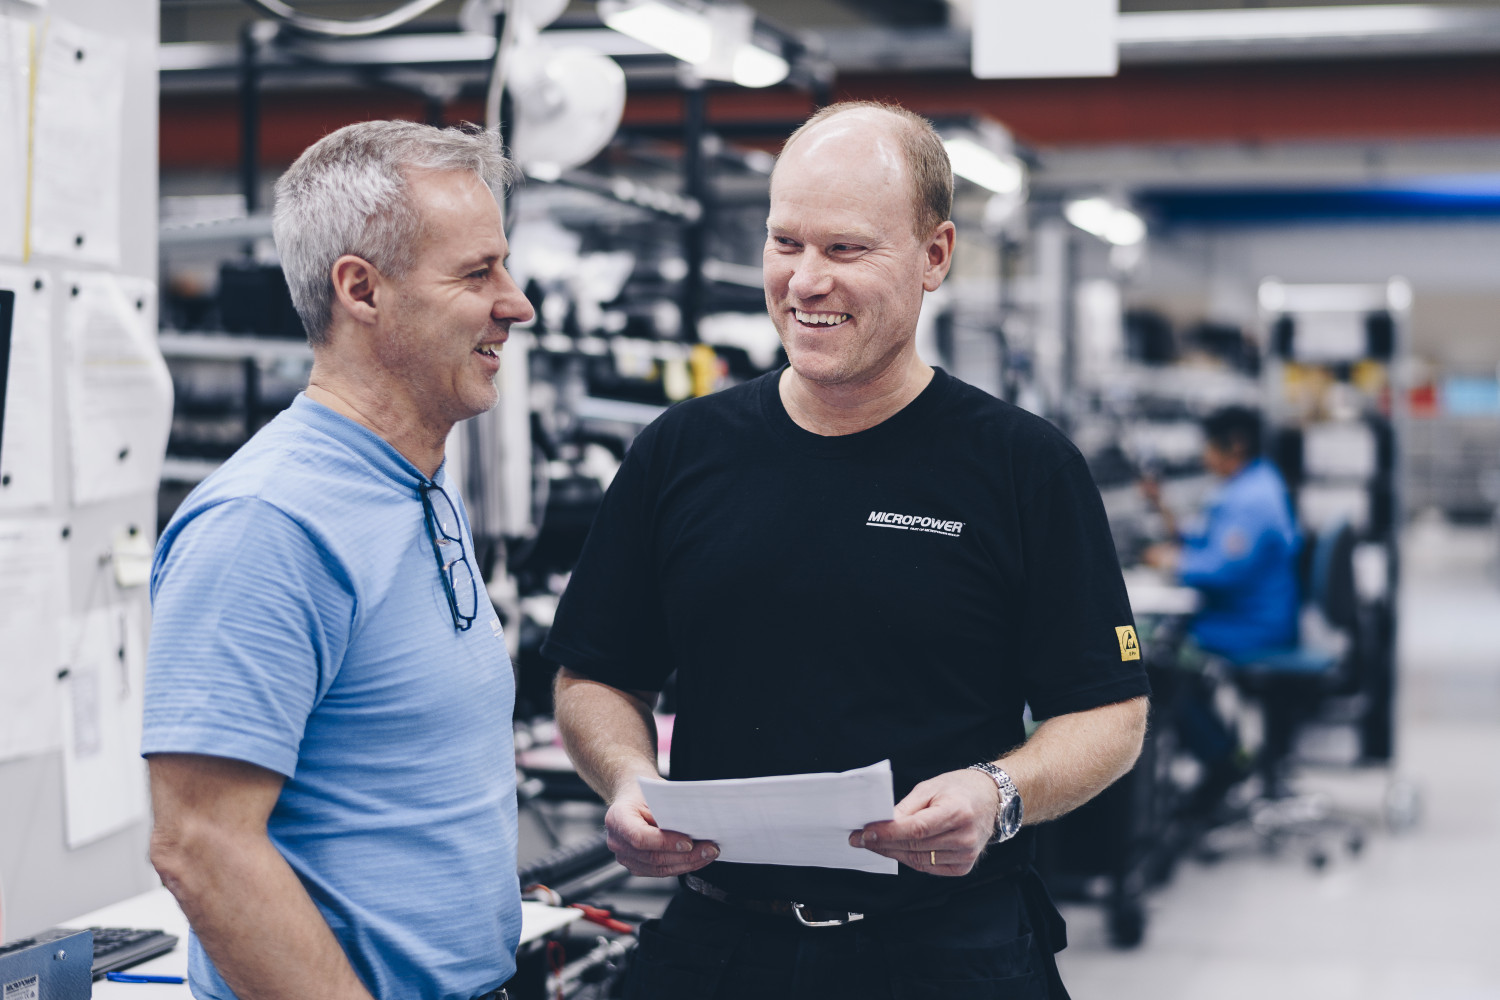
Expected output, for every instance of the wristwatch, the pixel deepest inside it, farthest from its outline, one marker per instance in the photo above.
(1008, 819)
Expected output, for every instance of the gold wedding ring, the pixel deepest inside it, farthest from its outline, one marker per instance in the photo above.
(934, 858)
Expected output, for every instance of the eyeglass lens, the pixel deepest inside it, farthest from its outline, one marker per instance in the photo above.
(451, 553)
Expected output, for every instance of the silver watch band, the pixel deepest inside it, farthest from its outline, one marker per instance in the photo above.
(1008, 816)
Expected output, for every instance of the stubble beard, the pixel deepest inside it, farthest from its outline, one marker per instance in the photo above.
(853, 365)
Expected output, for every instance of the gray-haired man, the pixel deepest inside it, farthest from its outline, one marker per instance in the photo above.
(327, 688)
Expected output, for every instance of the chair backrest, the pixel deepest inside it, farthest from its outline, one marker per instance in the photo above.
(1330, 584)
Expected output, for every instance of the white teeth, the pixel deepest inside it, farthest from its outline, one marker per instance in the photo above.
(819, 319)
(488, 352)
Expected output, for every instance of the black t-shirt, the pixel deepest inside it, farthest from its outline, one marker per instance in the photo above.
(829, 602)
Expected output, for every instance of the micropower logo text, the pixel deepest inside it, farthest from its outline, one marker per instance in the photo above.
(911, 522)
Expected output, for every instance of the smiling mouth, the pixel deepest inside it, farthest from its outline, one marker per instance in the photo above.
(819, 319)
(488, 350)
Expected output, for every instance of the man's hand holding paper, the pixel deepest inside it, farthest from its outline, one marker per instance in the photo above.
(646, 849)
(942, 827)
(795, 819)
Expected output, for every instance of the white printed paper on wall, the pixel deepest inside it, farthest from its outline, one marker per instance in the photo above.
(33, 603)
(119, 400)
(26, 453)
(103, 772)
(75, 199)
(15, 112)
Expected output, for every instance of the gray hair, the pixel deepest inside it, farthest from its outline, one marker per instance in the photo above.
(347, 194)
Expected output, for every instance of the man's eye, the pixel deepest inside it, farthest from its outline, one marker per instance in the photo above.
(480, 274)
(843, 248)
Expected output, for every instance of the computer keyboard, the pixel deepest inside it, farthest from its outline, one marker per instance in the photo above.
(122, 947)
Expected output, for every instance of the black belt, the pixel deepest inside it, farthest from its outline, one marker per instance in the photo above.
(807, 916)
(1048, 928)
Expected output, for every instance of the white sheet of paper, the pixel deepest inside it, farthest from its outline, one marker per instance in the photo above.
(26, 453)
(103, 772)
(75, 195)
(119, 390)
(792, 819)
(33, 599)
(15, 113)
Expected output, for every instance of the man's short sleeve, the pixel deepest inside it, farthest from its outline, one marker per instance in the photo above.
(250, 619)
(1080, 649)
(609, 625)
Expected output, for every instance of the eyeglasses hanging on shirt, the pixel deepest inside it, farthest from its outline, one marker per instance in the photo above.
(446, 534)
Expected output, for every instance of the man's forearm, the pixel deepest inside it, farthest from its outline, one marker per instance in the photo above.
(1071, 758)
(256, 921)
(609, 734)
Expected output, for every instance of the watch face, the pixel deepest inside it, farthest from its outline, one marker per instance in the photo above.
(1010, 817)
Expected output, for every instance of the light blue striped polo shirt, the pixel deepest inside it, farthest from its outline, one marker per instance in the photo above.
(299, 623)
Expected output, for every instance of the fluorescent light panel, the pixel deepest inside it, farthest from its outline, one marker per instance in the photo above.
(1287, 23)
(1106, 220)
(687, 35)
(756, 67)
(675, 31)
(973, 162)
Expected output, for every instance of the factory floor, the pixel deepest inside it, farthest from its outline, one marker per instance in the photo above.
(1415, 915)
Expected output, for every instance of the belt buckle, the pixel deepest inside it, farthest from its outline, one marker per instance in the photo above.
(848, 918)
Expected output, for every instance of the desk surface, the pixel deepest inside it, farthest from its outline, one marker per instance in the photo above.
(157, 910)
(1155, 593)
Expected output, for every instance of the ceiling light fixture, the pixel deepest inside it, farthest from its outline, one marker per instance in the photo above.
(757, 67)
(688, 33)
(985, 167)
(1106, 220)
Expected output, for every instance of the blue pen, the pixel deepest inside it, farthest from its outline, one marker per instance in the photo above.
(126, 977)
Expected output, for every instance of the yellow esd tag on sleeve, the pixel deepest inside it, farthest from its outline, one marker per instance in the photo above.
(1130, 646)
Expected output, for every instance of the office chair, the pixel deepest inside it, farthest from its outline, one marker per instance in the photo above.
(1292, 685)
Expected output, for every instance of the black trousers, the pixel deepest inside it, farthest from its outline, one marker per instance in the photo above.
(978, 945)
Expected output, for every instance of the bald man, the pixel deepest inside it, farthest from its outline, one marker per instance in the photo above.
(852, 559)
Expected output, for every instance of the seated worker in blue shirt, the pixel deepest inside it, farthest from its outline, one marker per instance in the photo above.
(1243, 560)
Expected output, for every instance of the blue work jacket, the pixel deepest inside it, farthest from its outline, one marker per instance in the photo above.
(1244, 562)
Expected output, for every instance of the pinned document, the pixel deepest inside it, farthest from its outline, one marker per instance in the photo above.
(75, 199)
(15, 117)
(33, 596)
(119, 390)
(103, 772)
(792, 819)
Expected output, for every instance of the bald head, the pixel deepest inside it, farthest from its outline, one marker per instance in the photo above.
(905, 140)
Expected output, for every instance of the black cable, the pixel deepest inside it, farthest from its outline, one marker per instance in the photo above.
(338, 28)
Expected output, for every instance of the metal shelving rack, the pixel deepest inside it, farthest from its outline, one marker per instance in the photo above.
(1339, 414)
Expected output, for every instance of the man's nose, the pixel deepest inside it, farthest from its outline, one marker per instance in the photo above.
(811, 277)
(511, 304)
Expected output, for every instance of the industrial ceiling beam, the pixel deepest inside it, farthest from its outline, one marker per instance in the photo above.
(925, 45)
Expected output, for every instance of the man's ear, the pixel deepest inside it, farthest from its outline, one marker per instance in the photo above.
(939, 252)
(354, 282)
